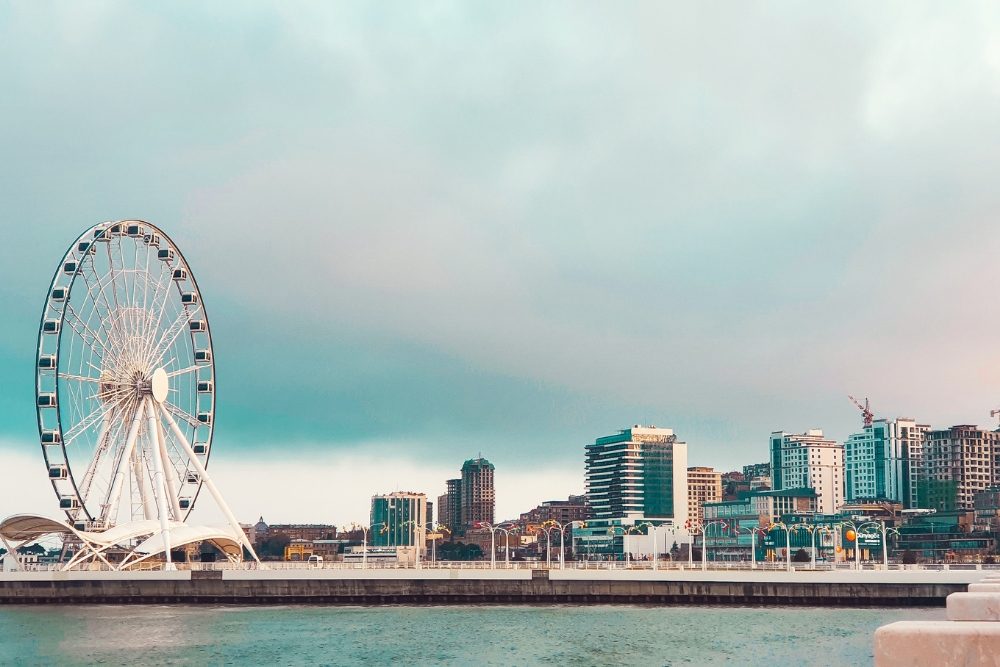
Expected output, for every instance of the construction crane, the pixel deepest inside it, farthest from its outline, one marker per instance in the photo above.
(865, 410)
(994, 413)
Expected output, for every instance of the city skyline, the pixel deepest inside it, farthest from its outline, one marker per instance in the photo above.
(614, 223)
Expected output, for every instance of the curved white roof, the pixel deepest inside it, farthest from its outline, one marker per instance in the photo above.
(28, 527)
(182, 534)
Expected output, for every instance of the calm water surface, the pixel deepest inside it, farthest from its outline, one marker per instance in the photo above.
(480, 635)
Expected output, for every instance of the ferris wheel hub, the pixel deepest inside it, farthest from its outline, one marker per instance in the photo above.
(159, 385)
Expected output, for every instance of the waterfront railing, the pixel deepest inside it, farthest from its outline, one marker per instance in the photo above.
(527, 565)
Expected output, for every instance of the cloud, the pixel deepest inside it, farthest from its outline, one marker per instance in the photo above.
(525, 228)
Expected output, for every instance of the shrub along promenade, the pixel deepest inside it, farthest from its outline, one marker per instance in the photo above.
(279, 584)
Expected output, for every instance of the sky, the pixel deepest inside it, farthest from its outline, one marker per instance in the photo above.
(429, 231)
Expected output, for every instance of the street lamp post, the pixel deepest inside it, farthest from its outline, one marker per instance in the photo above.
(506, 543)
(364, 542)
(562, 538)
(704, 540)
(788, 544)
(885, 543)
(753, 545)
(493, 546)
(857, 539)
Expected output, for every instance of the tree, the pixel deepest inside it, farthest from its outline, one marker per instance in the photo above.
(909, 558)
(274, 546)
(801, 556)
(459, 551)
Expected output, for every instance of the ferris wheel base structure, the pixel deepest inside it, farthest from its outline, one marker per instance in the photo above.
(125, 401)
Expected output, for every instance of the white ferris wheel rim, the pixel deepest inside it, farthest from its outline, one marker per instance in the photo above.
(138, 362)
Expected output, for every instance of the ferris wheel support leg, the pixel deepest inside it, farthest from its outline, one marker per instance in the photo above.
(171, 479)
(147, 510)
(208, 481)
(159, 484)
(116, 486)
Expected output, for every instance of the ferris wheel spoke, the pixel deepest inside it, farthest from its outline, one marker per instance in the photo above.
(93, 298)
(158, 286)
(182, 371)
(79, 378)
(171, 334)
(114, 277)
(83, 331)
(164, 288)
(182, 414)
(92, 418)
(102, 446)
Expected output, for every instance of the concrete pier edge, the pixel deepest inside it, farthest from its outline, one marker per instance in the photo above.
(536, 587)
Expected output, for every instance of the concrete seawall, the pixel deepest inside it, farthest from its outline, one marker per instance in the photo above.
(471, 587)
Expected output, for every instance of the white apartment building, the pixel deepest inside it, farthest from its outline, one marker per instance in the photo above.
(885, 461)
(809, 461)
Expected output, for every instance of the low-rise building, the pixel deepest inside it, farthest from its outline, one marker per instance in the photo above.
(733, 484)
(987, 509)
(945, 536)
(560, 511)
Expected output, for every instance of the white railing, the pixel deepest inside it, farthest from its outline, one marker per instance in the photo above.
(525, 565)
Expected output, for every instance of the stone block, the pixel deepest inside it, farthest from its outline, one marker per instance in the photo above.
(984, 588)
(974, 606)
(937, 644)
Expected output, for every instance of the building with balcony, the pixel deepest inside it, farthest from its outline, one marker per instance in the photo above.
(809, 461)
(639, 474)
(958, 463)
(885, 462)
(478, 499)
(704, 486)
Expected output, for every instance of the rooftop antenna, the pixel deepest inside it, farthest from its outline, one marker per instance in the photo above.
(865, 410)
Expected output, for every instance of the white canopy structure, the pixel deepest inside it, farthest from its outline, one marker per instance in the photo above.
(140, 540)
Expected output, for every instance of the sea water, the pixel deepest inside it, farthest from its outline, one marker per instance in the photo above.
(452, 635)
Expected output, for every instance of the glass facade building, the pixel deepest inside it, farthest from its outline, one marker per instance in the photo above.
(638, 473)
(398, 520)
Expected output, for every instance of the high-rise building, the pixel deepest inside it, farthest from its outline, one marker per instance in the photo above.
(958, 463)
(399, 520)
(884, 461)
(442, 508)
(450, 507)
(638, 473)
(809, 461)
(704, 486)
(478, 498)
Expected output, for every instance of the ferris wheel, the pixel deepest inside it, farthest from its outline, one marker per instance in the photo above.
(125, 379)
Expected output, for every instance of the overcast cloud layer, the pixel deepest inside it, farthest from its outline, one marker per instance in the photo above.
(511, 228)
